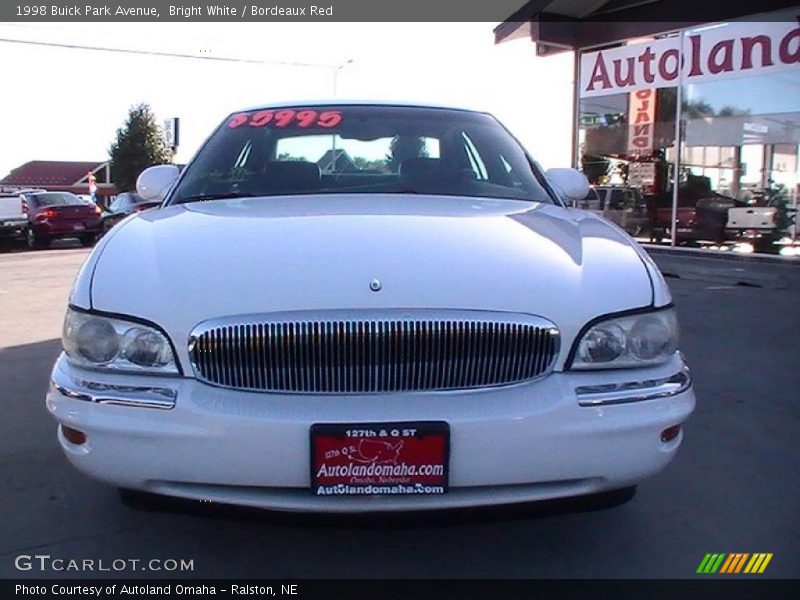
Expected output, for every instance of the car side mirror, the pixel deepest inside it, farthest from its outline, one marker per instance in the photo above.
(154, 182)
(571, 183)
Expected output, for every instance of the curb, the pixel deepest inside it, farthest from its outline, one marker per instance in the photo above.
(699, 253)
(715, 269)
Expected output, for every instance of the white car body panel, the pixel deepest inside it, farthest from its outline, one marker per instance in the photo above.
(563, 433)
(301, 253)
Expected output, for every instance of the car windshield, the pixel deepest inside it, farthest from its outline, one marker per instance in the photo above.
(57, 199)
(360, 150)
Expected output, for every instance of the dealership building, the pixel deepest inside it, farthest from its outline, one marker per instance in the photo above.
(667, 90)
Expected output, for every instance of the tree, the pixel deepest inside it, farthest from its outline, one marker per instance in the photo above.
(139, 145)
(362, 164)
(698, 109)
(732, 111)
(286, 157)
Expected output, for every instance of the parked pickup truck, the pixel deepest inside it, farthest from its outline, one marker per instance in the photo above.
(686, 224)
(13, 221)
(696, 220)
(702, 213)
(621, 205)
(761, 226)
(752, 217)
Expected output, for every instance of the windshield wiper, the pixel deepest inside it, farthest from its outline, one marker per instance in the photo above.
(223, 196)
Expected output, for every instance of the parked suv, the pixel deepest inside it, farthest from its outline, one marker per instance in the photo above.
(619, 204)
(53, 215)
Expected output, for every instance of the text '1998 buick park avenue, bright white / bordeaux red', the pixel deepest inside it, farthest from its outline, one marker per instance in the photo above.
(368, 307)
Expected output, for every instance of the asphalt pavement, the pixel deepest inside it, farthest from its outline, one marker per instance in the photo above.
(734, 486)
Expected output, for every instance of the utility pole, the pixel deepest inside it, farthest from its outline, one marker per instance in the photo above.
(336, 70)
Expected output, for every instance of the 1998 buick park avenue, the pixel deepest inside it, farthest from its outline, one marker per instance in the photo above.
(368, 307)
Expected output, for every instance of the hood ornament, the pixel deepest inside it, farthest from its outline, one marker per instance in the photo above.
(375, 285)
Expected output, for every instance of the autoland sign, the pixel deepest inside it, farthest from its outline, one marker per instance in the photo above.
(723, 51)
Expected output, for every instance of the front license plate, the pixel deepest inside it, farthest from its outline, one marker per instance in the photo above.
(386, 459)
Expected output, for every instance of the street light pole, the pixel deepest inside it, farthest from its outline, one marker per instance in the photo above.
(333, 136)
(676, 175)
(336, 70)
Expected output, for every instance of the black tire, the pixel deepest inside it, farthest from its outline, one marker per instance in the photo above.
(609, 499)
(88, 240)
(36, 241)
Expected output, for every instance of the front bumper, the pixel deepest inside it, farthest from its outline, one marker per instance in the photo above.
(532, 441)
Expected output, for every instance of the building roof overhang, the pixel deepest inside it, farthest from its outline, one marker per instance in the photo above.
(560, 25)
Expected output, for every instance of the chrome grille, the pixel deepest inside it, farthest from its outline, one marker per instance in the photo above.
(421, 351)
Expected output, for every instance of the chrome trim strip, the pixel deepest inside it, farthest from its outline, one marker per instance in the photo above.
(117, 395)
(634, 391)
(373, 351)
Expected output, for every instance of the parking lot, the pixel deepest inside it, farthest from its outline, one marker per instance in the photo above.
(733, 487)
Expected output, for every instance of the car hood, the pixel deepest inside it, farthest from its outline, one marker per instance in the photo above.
(184, 264)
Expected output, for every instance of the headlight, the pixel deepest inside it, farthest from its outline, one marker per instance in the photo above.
(633, 341)
(95, 341)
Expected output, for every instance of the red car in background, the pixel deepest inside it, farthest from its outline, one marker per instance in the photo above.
(702, 213)
(54, 215)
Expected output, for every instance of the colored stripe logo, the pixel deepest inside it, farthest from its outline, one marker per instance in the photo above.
(737, 562)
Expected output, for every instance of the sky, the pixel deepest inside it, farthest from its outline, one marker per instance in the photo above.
(67, 104)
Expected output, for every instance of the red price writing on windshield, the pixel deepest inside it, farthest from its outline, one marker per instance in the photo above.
(305, 118)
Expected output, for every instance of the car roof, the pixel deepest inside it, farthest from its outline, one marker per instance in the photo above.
(358, 102)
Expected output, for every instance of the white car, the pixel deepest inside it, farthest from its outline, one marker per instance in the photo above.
(365, 307)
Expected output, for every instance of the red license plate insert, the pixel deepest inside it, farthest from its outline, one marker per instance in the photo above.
(380, 459)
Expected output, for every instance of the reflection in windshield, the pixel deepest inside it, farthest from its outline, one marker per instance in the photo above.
(360, 149)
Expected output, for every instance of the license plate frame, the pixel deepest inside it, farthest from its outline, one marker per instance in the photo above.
(376, 458)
